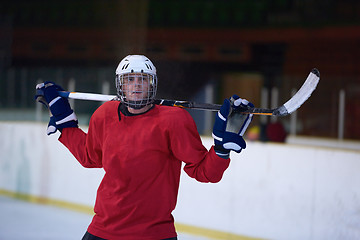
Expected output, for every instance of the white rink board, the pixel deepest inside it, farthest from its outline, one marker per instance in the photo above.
(272, 191)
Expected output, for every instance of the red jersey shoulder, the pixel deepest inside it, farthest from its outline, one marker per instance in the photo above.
(174, 114)
(173, 111)
(107, 110)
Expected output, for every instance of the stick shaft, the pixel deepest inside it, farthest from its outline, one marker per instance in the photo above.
(165, 102)
(287, 108)
(87, 96)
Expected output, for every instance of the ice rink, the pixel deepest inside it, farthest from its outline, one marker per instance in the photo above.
(24, 220)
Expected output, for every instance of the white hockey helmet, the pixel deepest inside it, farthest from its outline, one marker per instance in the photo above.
(141, 66)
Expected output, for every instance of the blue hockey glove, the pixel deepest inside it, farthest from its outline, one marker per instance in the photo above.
(51, 128)
(62, 114)
(230, 126)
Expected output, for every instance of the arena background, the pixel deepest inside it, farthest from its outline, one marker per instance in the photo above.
(204, 51)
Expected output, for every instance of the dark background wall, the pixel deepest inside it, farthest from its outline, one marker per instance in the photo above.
(192, 43)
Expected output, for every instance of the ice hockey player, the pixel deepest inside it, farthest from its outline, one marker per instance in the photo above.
(141, 147)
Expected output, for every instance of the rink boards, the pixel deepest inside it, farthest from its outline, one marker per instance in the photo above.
(270, 191)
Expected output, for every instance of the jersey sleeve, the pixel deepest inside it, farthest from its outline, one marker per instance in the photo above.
(86, 147)
(186, 146)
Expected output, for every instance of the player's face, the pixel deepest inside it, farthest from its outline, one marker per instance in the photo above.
(136, 86)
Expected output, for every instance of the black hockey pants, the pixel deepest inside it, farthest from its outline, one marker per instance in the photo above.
(89, 236)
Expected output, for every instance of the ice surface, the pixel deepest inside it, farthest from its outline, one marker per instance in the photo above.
(25, 220)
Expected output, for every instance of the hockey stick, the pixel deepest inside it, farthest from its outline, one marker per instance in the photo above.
(287, 108)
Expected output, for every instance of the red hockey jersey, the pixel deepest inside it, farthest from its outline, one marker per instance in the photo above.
(141, 156)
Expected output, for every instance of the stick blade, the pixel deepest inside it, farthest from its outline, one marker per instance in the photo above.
(300, 96)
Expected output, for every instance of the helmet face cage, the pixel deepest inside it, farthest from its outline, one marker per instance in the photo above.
(136, 90)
